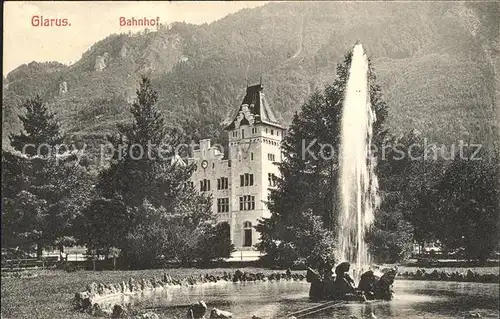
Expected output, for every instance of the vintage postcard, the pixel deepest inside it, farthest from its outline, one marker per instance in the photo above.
(250, 159)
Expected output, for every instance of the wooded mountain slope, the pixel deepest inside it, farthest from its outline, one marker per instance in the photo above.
(435, 62)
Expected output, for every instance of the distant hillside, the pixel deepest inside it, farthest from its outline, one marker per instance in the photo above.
(434, 60)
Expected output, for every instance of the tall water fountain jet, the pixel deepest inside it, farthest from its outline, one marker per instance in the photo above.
(358, 183)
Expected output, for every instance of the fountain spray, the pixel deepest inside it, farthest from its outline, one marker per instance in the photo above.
(358, 184)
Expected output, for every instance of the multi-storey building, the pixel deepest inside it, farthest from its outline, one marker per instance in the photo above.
(240, 183)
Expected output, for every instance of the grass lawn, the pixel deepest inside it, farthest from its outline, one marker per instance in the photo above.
(49, 295)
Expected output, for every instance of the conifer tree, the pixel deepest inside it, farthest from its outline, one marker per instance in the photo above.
(141, 169)
(39, 186)
(152, 204)
(40, 128)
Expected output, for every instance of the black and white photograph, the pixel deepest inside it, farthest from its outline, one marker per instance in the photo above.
(250, 159)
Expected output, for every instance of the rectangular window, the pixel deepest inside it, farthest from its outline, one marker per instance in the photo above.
(251, 156)
(222, 183)
(246, 179)
(247, 202)
(222, 205)
(271, 157)
(243, 133)
(205, 185)
(272, 132)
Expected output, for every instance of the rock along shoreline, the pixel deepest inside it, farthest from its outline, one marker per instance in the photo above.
(435, 275)
(97, 300)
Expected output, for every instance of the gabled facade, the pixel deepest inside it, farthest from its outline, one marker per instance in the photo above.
(240, 184)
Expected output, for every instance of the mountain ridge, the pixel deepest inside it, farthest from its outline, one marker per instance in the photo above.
(434, 62)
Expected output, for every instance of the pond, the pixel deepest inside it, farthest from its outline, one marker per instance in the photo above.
(413, 299)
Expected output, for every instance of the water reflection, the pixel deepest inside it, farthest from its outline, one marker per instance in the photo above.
(413, 299)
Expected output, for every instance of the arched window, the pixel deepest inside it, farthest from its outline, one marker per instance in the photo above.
(247, 234)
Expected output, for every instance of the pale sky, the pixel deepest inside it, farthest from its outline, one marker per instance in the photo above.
(90, 22)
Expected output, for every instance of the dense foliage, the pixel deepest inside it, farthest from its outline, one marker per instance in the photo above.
(142, 205)
(147, 207)
(43, 188)
(467, 202)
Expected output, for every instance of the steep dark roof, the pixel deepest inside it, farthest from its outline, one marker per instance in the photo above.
(258, 106)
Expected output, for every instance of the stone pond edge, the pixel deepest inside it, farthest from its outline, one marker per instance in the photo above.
(91, 300)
